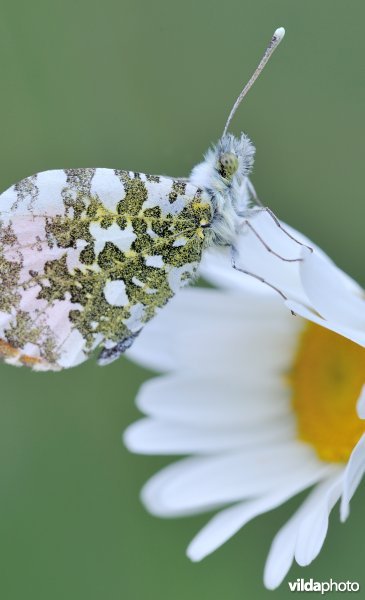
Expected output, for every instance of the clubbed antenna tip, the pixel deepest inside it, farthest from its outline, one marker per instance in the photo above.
(279, 34)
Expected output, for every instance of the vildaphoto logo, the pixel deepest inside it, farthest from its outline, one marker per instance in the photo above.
(301, 585)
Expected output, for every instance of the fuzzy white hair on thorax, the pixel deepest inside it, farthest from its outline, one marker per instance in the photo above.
(223, 176)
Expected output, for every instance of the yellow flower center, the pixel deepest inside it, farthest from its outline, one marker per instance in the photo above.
(326, 380)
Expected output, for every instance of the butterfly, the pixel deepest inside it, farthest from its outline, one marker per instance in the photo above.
(89, 256)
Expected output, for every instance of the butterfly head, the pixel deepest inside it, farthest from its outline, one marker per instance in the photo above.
(226, 166)
(223, 176)
(234, 158)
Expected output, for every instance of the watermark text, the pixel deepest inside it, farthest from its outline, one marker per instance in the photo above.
(310, 585)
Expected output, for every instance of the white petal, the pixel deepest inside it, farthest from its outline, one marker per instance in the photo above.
(354, 471)
(290, 538)
(330, 293)
(152, 436)
(281, 554)
(314, 522)
(217, 401)
(182, 336)
(356, 336)
(158, 345)
(216, 267)
(202, 483)
(360, 406)
(227, 522)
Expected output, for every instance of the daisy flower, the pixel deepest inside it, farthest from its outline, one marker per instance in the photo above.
(266, 404)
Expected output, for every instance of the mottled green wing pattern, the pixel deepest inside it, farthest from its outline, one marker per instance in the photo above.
(88, 256)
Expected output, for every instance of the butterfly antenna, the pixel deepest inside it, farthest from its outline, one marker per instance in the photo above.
(275, 41)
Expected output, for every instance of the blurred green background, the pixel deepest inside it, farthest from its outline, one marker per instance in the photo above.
(148, 86)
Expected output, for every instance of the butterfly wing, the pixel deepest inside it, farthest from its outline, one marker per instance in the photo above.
(87, 257)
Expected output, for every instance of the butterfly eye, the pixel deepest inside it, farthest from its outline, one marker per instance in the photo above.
(227, 165)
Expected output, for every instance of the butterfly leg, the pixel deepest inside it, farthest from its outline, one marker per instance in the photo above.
(258, 277)
(278, 224)
(253, 193)
(268, 248)
(262, 208)
(109, 355)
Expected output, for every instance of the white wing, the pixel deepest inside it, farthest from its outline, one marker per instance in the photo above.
(87, 256)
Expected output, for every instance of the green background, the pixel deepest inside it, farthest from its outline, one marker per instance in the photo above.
(147, 86)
